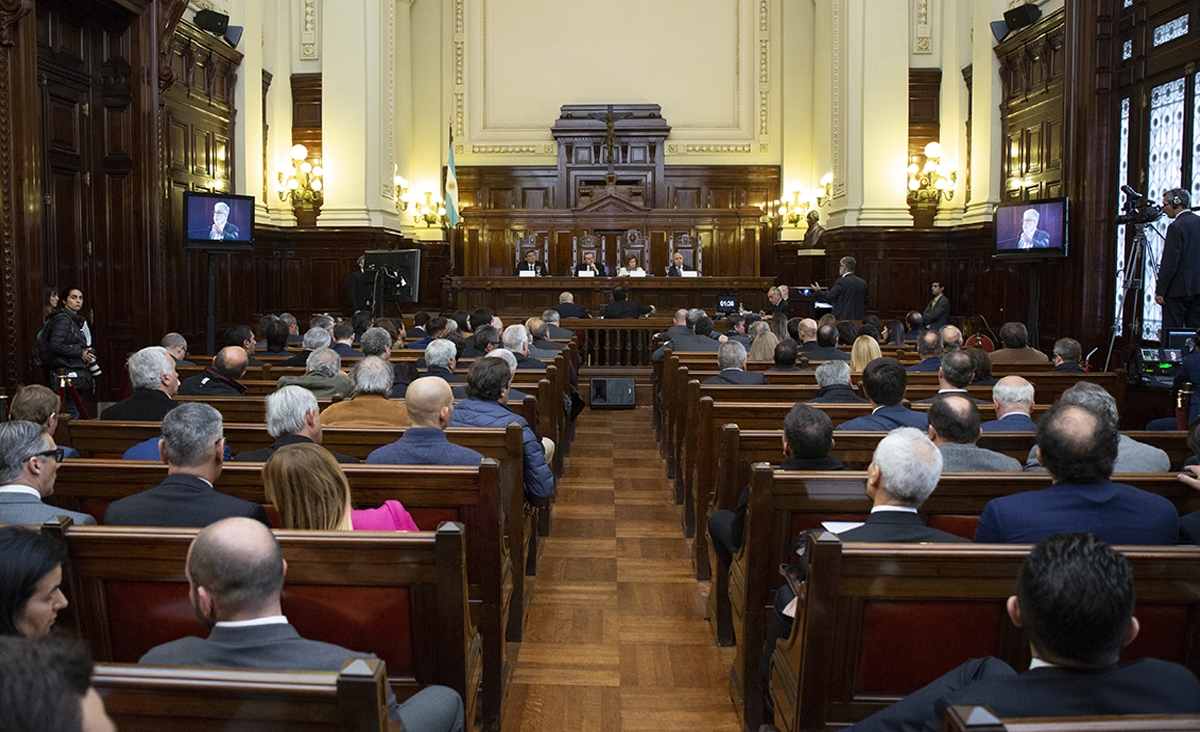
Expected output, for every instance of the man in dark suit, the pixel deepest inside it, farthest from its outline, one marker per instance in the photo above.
(785, 356)
(293, 418)
(834, 379)
(430, 403)
(1077, 443)
(623, 307)
(243, 336)
(235, 575)
(938, 308)
(177, 348)
(220, 379)
(929, 348)
(695, 339)
(343, 341)
(221, 229)
(1178, 288)
(677, 267)
(359, 288)
(955, 374)
(589, 264)
(1067, 353)
(441, 358)
(1075, 602)
(954, 428)
(848, 294)
(827, 350)
(314, 339)
(193, 447)
(1013, 397)
(731, 357)
(152, 373)
(567, 308)
(531, 264)
(885, 382)
(28, 467)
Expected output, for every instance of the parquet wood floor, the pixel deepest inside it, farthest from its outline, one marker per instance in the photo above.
(616, 639)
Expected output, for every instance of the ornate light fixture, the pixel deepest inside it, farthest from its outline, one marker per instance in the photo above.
(933, 182)
(432, 212)
(792, 212)
(303, 186)
(826, 189)
(402, 199)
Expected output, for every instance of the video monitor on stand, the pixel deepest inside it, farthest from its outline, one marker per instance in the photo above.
(395, 276)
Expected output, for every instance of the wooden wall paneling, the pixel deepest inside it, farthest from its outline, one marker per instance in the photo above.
(306, 112)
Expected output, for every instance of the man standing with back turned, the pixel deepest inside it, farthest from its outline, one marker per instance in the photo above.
(1178, 289)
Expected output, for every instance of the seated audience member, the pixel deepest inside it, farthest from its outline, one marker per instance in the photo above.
(1067, 354)
(807, 439)
(735, 329)
(276, 335)
(419, 321)
(376, 341)
(436, 328)
(488, 384)
(1132, 456)
(515, 396)
(833, 378)
(314, 338)
(1015, 339)
(952, 339)
(903, 473)
(694, 340)
(847, 332)
(263, 323)
(461, 319)
(177, 348)
(892, 333)
(220, 379)
(31, 578)
(785, 356)
(440, 358)
(731, 357)
(983, 367)
(38, 404)
(826, 319)
(370, 405)
(553, 318)
(762, 348)
(479, 318)
(361, 322)
(324, 378)
(869, 330)
(235, 571)
(1013, 399)
(540, 330)
(622, 307)
(292, 419)
(28, 466)
(242, 336)
(343, 341)
(305, 484)
(1077, 443)
(567, 308)
(46, 686)
(914, 323)
(929, 348)
(1075, 602)
(954, 428)
(485, 339)
(827, 350)
(155, 383)
(954, 376)
(864, 351)
(403, 374)
(885, 382)
(806, 335)
(516, 339)
(430, 404)
(193, 447)
(679, 325)
(294, 336)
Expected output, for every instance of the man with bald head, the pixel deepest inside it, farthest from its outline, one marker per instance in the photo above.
(951, 338)
(1077, 443)
(806, 332)
(1013, 398)
(220, 379)
(954, 428)
(430, 404)
(235, 572)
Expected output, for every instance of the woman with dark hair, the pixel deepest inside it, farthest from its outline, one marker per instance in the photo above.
(49, 300)
(70, 345)
(30, 581)
(464, 323)
(893, 333)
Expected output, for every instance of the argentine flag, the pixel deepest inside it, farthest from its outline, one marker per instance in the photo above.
(452, 188)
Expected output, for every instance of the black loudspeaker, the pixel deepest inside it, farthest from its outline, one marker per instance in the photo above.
(234, 35)
(999, 30)
(1021, 16)
(613, 394)
(211, 21)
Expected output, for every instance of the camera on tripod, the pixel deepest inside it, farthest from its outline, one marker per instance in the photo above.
(1138, 209)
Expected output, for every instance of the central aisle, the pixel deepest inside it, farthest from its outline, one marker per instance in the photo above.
(616, 638)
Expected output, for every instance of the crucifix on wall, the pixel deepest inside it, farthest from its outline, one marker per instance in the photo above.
(610, 131)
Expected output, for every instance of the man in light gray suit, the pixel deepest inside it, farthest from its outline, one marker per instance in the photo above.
(954, 428)
(28, 465)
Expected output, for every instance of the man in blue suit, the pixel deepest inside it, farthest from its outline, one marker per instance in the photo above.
(929, 348)
(1013, 397)
(1077, 443)
(731, 357)
(885, 382)
(430, 403)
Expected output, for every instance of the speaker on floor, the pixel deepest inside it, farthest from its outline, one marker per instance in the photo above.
(1021, 16)
(211, 21)
(612, 394)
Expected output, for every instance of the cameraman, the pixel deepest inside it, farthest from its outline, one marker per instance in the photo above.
(1178, 289)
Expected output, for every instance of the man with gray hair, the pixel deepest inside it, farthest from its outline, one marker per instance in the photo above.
(929, 348)
(370, 406)
(516, 339)
(177, 348)
(314, 338)
(293, 328)
(1013, 397)
(292, 418)
(567, 308)
(951, 338)
(324, 378)
(193, 447)
(1132, 456)
(28, 466)
(155, 383)
(440, 359)
(552, 318)
(954, 375)
(376, 342)
(834, 379)
(731, 357)
(1067, 353)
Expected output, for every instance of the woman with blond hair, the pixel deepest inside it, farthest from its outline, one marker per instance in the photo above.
(864, 351)
(310, 491)
(762, 347)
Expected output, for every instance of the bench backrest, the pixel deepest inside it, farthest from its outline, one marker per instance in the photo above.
(981, 719)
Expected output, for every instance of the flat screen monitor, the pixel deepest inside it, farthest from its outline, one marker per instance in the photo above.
(218, 221)
(1031, 229)
(395, 274)
(726, 304)
(1180, 339)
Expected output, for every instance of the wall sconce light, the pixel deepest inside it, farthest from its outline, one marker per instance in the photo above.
(932, 182)
(826, 189)
(402, 198)
(303, 186)
(430, 213)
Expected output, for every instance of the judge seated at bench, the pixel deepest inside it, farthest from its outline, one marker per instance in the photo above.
(631, 268)
(677, 267)
(589, 264)
(531, 264)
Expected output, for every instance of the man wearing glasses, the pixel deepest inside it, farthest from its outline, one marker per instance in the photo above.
(28, 465)
(193, 447)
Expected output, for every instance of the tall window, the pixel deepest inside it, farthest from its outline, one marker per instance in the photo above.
(1122, 314)
(1164, 170)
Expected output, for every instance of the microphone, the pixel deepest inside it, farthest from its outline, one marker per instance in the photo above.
(1133, 195)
